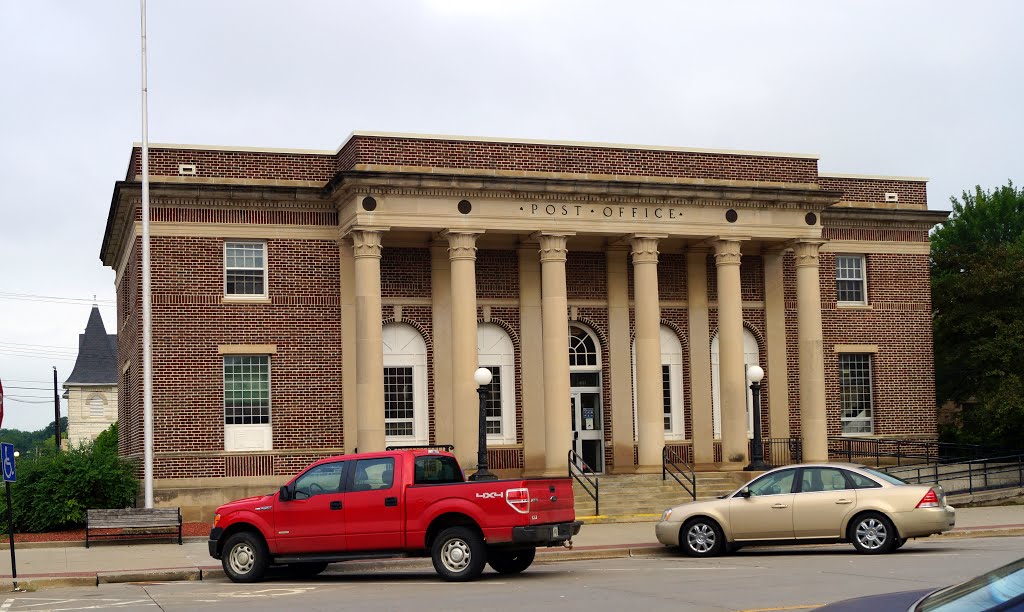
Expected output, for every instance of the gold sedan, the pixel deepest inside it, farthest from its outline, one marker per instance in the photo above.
(810, 504)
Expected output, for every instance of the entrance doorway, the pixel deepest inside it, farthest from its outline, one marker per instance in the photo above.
(587, 426)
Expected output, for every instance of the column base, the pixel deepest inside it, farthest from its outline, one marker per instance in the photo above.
(731, 466)
(647, 469)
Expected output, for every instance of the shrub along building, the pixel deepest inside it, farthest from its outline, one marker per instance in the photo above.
(309, 303)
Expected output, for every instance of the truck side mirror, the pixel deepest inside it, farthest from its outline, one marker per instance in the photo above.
(285, 494)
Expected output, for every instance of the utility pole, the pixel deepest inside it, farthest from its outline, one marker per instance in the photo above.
(56, 411)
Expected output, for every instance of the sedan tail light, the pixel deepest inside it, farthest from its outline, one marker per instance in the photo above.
(930, 500)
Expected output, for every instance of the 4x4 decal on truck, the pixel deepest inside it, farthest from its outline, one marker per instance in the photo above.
(491, 495)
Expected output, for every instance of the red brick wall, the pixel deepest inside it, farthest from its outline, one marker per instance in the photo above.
(235, 164)
(405, 272)
(497, 274)
(874, 190)
(586, 275)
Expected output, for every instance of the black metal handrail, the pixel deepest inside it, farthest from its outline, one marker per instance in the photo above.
(909, 449)
(670, 466)
(584, 474)
(981, 474)
(780, 451)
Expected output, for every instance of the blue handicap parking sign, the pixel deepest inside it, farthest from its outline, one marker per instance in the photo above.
(7, 456)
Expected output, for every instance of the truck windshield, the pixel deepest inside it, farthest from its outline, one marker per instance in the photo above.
(437, 469)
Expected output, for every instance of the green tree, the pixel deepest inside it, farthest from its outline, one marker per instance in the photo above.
(978, 296)
(25, 441)
(54, 489)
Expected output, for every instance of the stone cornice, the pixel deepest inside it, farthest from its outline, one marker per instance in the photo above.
(883, 218)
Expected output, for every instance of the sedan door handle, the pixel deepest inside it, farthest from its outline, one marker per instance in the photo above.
(390, 501)
(335, 505)
(780, 506)
(844, 501)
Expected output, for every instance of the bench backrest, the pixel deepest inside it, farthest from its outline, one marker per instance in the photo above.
(134, 517)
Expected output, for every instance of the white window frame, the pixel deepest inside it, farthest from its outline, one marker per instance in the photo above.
(253, 436)
(671, 356)
(863, 279)
(264, 269)
(495, 350)
(870, 419)
(405, 347)
(751, 356)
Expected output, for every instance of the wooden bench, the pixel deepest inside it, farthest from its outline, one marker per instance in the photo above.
(131, 518)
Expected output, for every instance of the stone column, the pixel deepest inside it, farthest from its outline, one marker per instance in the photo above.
(531, 355)
(369, 344)
(554, 306)
(465, 361)
(349, 355)
(619, 361)
(701, 416)
(812, 357)
(732, 377)
(441, 318)
(647, 312)
(775, 339)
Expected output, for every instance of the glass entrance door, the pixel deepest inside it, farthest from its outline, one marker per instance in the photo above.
(587, 425)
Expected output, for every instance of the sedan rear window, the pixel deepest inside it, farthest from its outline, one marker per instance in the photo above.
(889, 478)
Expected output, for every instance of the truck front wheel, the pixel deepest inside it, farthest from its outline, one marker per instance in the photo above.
(511, 561)
(245, 557)
(459, 554)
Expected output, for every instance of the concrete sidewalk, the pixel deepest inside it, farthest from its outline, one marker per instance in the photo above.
(49, 565)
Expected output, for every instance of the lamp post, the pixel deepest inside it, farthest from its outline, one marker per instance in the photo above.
(482, 376)
(757, 464)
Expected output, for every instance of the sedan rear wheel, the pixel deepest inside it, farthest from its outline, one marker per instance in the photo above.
(873, 533)
(702, 537)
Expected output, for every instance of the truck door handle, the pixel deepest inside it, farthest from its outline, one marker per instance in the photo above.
(844, 501)
(779, 506)
(390, 501)
(335, 505)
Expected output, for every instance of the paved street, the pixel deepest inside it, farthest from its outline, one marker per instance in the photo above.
(793, 578)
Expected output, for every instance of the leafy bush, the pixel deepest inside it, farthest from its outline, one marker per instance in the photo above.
(54, 489)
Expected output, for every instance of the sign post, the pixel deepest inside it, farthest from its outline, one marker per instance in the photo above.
(10, 475)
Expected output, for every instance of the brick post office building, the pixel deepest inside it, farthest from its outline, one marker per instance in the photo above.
(309, 303)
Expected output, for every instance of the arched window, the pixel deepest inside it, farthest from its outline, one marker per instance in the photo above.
(405, 385)
(671, 385)
(582, 348)
(97, 407)
(496, 353)
(751, 356)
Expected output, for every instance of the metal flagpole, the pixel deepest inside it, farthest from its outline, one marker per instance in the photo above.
(147, 315)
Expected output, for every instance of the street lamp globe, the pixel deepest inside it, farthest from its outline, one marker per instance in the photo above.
(482, 376)
(755, 374)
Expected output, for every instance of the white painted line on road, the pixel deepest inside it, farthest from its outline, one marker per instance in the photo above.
(6, 604)
(105, 604)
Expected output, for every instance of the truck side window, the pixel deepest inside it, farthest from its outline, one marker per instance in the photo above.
(437, 469)
(374, 474)
(322, 479)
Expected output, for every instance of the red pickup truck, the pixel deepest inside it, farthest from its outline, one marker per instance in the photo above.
(393, 504)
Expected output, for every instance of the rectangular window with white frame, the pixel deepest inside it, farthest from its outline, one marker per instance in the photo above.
(856, 407)
(247, 403)
(245, 269)
(851, 280)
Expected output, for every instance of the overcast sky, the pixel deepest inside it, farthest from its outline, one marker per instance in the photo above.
(925, 88)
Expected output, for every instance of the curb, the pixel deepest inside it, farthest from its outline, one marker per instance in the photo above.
(164, 575)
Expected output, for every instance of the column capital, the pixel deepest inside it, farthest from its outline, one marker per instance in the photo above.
(806, 252)
(366, 241)
(552, 245)
(461, 243)
(645, 247)
(727, 251)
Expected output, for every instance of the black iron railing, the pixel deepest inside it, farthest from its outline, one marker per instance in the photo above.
(780, 451)
(680, 471)
(584, 474)
(973, 476)
(886, 451)
(445, 447)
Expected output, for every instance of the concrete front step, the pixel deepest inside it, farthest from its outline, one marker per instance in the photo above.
(648, 494)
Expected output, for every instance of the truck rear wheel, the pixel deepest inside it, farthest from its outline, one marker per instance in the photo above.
(245, 557)
(459, 554)
(511, 561)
